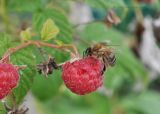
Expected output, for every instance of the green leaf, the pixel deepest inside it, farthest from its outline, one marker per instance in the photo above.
(53, 82)
(146, 103)
(49, 30)
(26, 34)
(24, 57)
(2, 109)
(25, 6)
(60, 20)
(50, 85)
(5, 43)
(67, 104)
(156, 5)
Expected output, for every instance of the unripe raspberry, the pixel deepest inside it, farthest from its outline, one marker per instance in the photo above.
(8, 79)
(83, 76)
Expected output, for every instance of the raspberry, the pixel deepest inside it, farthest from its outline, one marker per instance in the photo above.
(83, 76)
(8, 79)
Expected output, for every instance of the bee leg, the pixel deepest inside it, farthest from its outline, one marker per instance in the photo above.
(105, 62)
(113, 62)
(103, 70)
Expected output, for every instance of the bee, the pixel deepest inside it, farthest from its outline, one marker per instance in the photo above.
(102, 52)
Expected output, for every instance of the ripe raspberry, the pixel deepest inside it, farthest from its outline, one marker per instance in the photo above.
(83, 76)
(8, 79)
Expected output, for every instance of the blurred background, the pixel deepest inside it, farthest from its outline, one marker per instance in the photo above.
(131, 28)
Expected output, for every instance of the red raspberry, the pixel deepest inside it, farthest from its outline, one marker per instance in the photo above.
(83, 75)
(8, 79)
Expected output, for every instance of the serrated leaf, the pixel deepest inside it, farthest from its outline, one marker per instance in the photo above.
(26, 34)
(24, 57)
(60, 20)
(49, 30)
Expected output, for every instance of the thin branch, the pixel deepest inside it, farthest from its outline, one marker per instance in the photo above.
(64, 47)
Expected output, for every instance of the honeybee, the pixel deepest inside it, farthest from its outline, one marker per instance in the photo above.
(103, 52)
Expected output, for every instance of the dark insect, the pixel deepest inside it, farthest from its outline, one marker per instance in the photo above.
(102, 52)
(47, 67)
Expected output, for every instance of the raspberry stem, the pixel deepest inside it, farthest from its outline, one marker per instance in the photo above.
(65, 47)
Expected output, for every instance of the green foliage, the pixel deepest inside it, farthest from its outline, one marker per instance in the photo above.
(59, 19)
(20, 58)
(26, 34)
(49, 30)
(146, 103)
(25, 6)
(51, 95)
(46, 88)
(4, 44)
(26, 76)
(2, 111)
(71, 104)
(52, 84)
